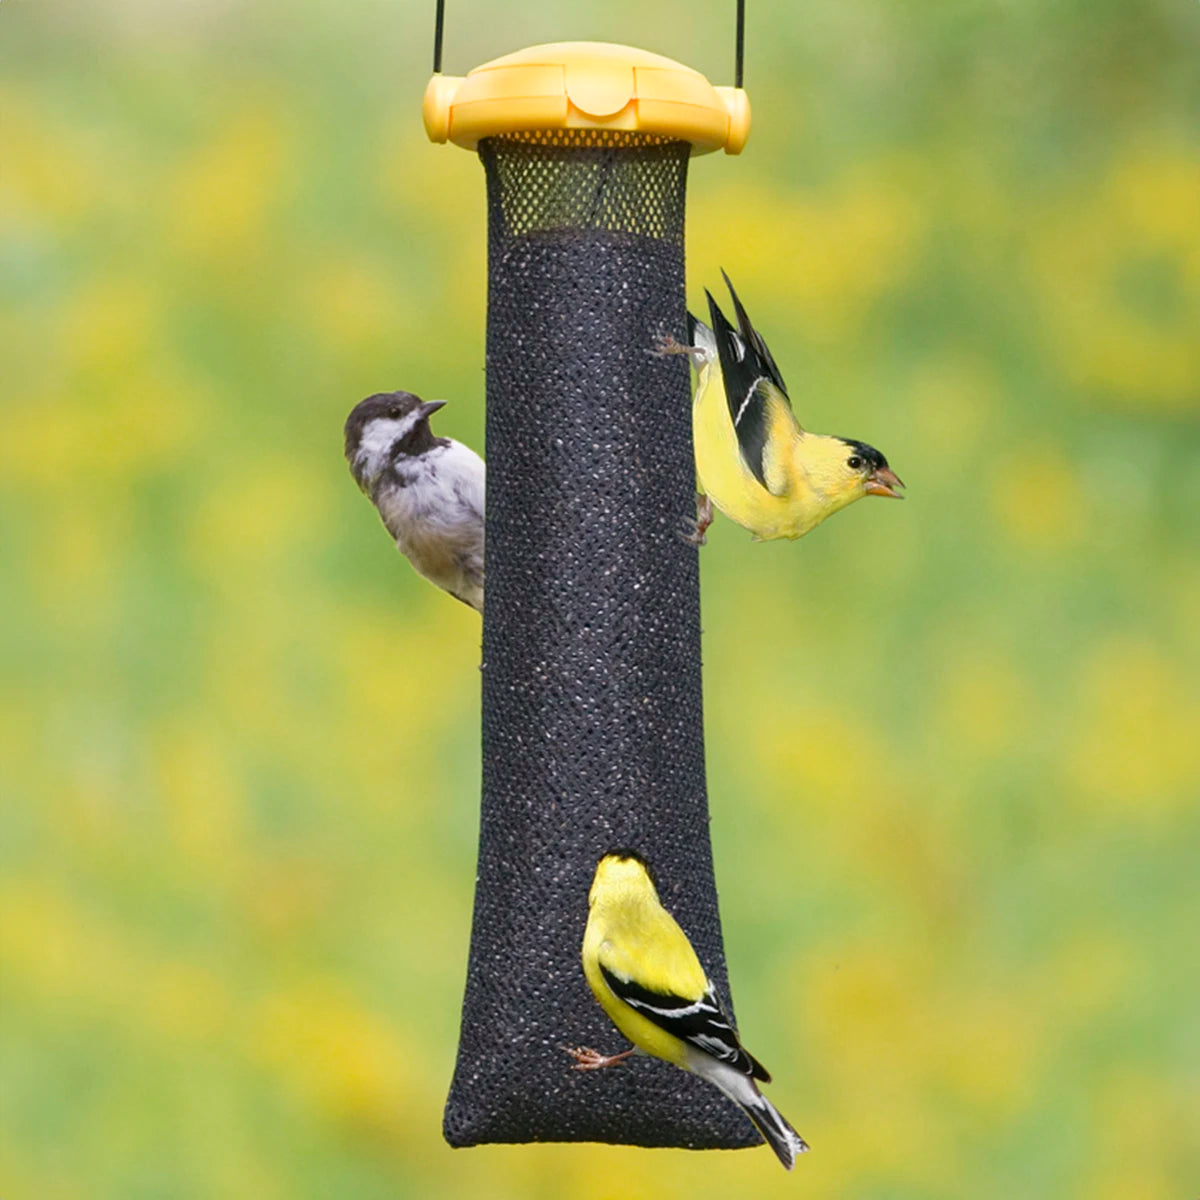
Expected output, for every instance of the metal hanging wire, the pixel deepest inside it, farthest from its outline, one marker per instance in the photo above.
(439, 22)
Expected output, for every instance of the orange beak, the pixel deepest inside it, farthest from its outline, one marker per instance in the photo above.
(883, 482)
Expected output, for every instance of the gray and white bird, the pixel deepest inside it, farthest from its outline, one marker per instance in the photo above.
(429, 490)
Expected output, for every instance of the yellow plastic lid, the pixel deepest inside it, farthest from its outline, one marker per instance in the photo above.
(586, 85)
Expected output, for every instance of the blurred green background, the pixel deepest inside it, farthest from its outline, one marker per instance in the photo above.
(954, 744)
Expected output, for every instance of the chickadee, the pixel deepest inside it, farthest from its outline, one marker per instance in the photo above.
(428, 490)
(753, 458)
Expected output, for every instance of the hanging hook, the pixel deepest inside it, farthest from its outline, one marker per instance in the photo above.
(439, 21)
(740, 52)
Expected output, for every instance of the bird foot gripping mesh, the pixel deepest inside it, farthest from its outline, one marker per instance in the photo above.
(592, 721)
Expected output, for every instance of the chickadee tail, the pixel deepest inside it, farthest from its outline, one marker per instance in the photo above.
(770, 1122)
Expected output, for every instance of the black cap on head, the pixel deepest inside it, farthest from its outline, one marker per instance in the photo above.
(625, 852)
(868, 454)
(382, 404)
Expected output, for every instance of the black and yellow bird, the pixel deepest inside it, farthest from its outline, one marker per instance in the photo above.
(646, 976)
(754, 460)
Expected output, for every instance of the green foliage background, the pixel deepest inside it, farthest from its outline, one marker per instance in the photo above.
(954, 745)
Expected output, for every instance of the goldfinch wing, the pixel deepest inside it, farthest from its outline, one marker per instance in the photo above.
(701, 1022)
(755, 341)
(755, 392)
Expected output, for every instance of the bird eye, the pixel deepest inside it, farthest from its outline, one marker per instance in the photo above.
(854, 462)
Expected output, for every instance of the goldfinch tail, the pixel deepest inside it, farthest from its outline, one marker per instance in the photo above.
(771, 1123)
(701, 337)
(768, 1120)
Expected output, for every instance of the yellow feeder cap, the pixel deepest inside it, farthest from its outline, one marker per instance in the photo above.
(586, 85)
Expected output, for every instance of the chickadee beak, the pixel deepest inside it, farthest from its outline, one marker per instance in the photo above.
(883, 481)
(429, 407)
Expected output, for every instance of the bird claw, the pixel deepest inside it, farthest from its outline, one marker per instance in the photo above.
(692, 532)
(694, 528)
(667, 344)
(587, 1059)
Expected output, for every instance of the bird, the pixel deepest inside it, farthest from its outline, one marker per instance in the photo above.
(754, 460)
(646, 976)
(429, 490)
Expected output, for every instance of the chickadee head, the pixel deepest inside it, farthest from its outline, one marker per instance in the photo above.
(382, 428)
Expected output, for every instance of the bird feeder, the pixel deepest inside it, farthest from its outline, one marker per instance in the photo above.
(592, 716)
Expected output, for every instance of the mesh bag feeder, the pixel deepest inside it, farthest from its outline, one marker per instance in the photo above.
(592, 718)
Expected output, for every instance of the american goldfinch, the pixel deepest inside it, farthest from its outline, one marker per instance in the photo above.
(428, 490)
(646, 976)
(753, 459)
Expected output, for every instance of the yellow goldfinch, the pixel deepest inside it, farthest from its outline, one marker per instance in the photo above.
(646, 976)
(753, 459)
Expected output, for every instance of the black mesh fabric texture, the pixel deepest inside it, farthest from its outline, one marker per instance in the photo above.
(592, 721)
